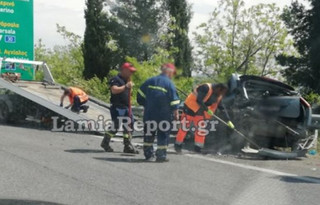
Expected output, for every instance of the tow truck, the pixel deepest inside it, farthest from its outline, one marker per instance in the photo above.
(38, 101)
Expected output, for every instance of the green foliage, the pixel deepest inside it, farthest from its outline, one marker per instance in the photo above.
(304, 26)
(312, 98)
(95, 87)
(140, 25)
(66, 65)
(116, 29)
(98, 49)
(184, 86)
(145, 70)
(148, 69)
(65, 62)
(180, 12)
(236, 39)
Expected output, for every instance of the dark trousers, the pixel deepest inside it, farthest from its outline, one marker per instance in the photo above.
(116, 114)
(77, 104)
(163, 138)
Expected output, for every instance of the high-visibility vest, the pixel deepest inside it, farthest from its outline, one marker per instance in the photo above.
(191, 101)
(213, 108)
(77, 92)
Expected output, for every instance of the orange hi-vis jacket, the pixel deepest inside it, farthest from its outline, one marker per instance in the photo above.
(192, 104)
(77, 92)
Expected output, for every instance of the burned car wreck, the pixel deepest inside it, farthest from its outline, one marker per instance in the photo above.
(272, 114)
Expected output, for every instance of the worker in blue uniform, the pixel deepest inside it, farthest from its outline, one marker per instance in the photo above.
(159, 97)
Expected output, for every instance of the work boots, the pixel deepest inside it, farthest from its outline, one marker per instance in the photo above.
(105, 144)
(178, 148)
(197, 149)
(85, 108)
(128, 147)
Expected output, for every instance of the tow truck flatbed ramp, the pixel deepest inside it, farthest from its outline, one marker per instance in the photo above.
(48, 93)
(50, 98)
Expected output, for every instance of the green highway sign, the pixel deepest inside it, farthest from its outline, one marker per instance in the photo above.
(16, 35)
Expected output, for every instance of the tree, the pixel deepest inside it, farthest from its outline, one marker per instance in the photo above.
(140, 26)
(98, 50)
(298, 20)
(180, 12)
(304, 26)
(65, 62)
(315, 44)
(236, 39)
(66, 65)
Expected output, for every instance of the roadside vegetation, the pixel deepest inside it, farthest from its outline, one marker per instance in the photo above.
(149, 33)
(261, 40)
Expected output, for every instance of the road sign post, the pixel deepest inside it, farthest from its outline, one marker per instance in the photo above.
(16, 36)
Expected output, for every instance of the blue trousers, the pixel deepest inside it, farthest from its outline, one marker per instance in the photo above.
(163, 138)
(116, 113)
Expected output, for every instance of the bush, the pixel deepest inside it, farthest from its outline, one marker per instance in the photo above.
(94, 87)
(312, 98)
(148, 69)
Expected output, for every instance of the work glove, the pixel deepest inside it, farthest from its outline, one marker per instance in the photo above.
(231, 125)
(210, 112)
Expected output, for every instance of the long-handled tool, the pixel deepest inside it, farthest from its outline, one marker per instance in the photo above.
(260, 151)
(130, 103)
(226, 124)
(288, 128)
(238, 132)
(263, 151)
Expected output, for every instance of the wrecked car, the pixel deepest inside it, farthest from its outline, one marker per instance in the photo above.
(271, 113)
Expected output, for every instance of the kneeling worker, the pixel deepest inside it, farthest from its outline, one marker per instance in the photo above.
(200, 106)
(77, 97)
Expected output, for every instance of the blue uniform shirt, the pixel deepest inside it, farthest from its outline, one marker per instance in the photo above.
(159, 97)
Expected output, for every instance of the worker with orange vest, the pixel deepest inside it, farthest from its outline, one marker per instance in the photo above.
(199, 107)
(77, 97)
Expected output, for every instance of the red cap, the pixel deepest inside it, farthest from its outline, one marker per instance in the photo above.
(128, 66)
(170, 66)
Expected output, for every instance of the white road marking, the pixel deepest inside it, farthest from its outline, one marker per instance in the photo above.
(259, 169)
(269, 171)
(243, 166)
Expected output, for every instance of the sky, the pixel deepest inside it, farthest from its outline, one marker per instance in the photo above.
(70, 13)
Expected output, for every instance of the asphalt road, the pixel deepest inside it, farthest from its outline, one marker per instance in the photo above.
(41, 167)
